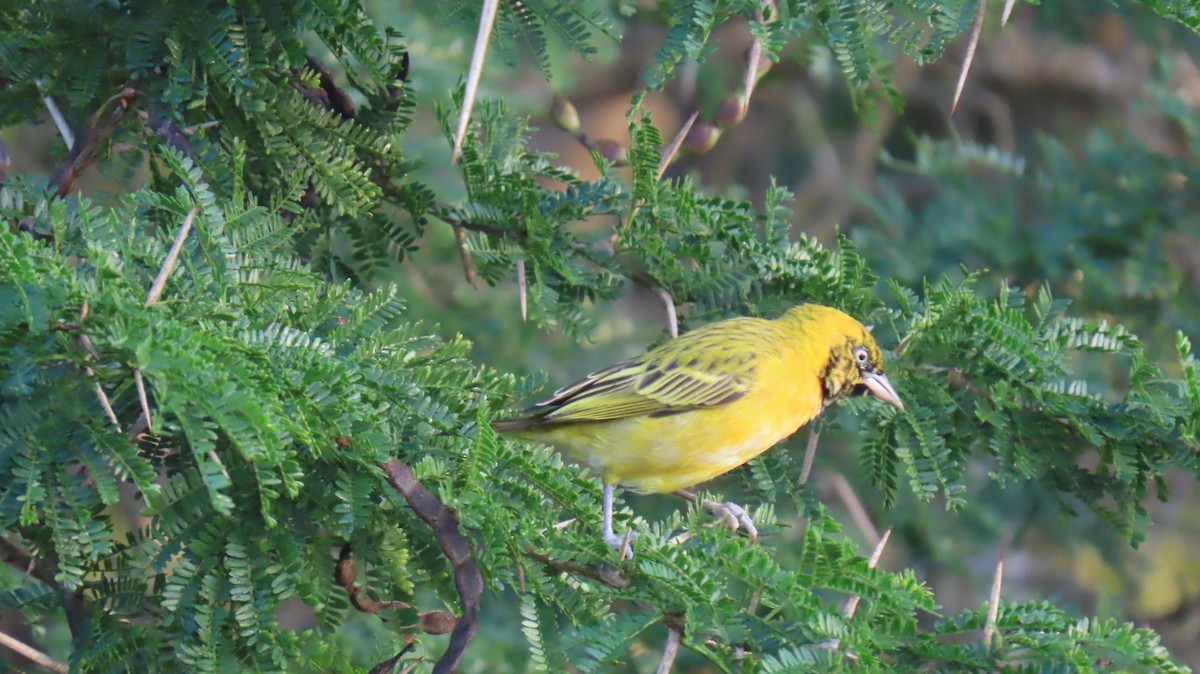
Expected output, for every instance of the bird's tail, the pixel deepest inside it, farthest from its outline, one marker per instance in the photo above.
(515, 425)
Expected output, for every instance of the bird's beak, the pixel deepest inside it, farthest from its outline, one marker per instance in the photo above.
(881, 388)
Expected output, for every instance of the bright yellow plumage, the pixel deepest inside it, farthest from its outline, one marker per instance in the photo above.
(709, 401)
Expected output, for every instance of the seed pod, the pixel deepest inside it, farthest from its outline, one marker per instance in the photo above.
(731, 111)
(612, 151)
(701, 138)
(565, 115)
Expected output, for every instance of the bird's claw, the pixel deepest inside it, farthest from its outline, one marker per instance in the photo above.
(622, 544)
(734, 516)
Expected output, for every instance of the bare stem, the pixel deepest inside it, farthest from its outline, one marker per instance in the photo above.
(464, 255)
(87, 345)
(857, 512)
(32, 654)
(669, 651)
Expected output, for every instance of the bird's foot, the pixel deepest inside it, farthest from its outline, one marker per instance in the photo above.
(734, 516)
(622, 544)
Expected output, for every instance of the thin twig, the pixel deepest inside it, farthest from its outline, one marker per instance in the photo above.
(857, 512)
(604, 574)
(486, 18)
(1008, 8)
(18, 558)
(809, 452)
(464, 255)
(852, 603)
(976, 31)
(33, 655)
(669, 152)
(160, 281)
(189, 130)
(45, 570)
(669, 651)
(89, 138)
(669, 305)
(141, 391)
(989, 627)
(522, 290)
(64, 129)
(87, 345)
(739, 651)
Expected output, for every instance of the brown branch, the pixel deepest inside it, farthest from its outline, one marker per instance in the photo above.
(45, 570)
(335, 99)
(88, 139)
(17, 558)
(5, 162)
(464, 255)
(345, 573)
(468, 579)
(389, 666)
(604, 574)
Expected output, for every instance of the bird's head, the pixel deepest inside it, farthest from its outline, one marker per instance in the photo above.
(854, 364)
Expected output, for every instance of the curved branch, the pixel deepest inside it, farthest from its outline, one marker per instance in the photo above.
(468, 579)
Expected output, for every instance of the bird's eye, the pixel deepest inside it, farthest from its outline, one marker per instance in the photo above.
(861, 355)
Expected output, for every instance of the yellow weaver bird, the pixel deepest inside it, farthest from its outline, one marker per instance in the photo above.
(707, 402)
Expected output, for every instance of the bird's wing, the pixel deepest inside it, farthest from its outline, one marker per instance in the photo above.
(703, 368)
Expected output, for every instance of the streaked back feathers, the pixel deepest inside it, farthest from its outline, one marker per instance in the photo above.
(713, 366)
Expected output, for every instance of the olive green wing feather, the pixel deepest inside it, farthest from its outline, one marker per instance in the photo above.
(711, 366)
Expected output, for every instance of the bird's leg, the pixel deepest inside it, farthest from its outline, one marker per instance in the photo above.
(734, 515)
(619, 543)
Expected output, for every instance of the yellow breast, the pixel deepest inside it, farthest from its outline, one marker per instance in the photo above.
(664, 453)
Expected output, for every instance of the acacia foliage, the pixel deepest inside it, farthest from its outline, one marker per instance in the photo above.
(277, 383)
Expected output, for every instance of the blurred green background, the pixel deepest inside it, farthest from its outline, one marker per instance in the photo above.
(1071, 162)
